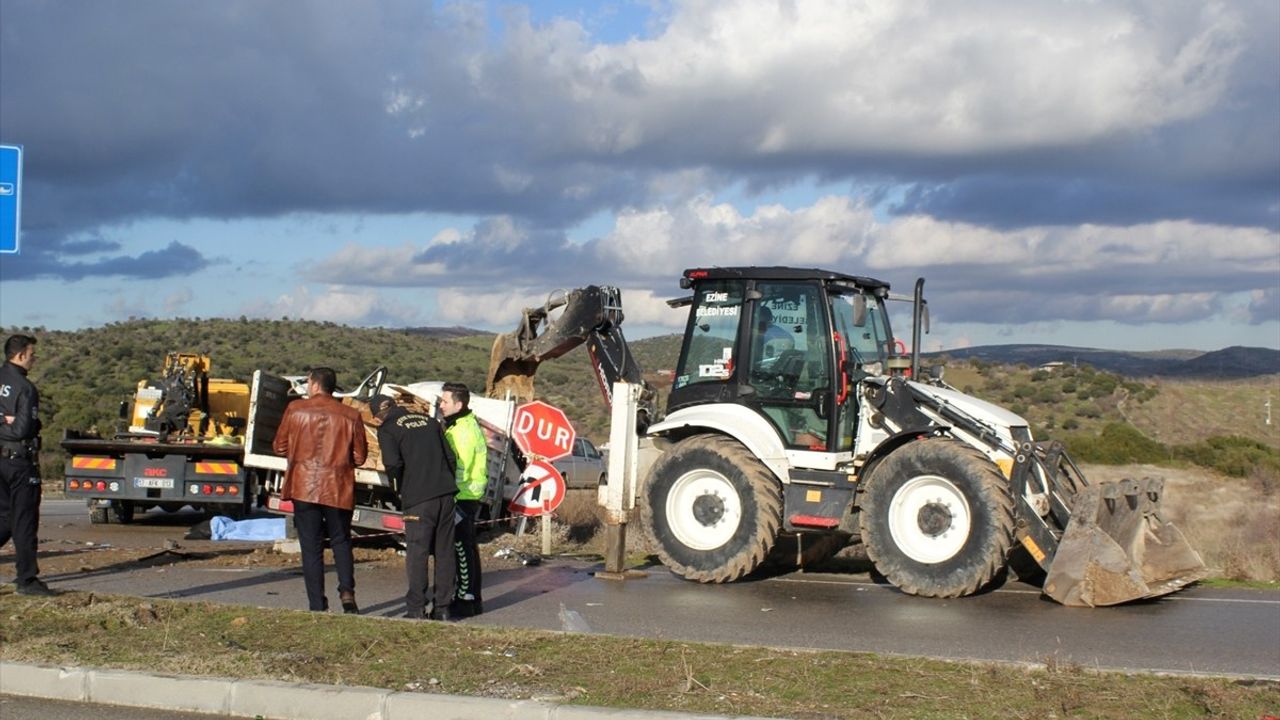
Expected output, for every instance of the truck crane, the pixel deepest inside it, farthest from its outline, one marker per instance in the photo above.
(796, 422)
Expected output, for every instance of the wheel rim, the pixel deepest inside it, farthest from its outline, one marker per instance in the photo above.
(703, 509)
(929, 519)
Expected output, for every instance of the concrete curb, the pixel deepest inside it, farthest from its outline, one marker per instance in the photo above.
(291, 701)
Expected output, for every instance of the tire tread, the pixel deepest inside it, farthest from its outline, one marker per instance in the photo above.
(899, 571)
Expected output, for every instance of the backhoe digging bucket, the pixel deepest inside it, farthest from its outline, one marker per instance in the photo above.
(508, 374)
(1116, 548)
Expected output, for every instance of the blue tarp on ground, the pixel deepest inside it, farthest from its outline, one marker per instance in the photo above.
(224, 528)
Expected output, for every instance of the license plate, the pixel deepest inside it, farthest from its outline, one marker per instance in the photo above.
(145, 482)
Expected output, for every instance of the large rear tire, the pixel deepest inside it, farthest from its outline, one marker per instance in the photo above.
(712, 509)
(97, 515)
(937, 518)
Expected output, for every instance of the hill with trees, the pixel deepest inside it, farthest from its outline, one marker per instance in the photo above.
(84, 375)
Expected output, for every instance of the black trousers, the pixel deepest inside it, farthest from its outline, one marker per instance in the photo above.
(468, 550)
(315, 523)
(20, 515)
(428, 530)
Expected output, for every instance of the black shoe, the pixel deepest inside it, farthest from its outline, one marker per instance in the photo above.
(35, 588)
(349, 603)
(443, 615)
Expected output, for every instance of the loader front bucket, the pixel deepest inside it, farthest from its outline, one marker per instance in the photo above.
(1116, 548)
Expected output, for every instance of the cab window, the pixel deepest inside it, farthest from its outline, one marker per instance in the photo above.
(708, 351)
(869, 342)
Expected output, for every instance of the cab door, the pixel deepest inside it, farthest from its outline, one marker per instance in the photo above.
(861, 335)
(789, 362)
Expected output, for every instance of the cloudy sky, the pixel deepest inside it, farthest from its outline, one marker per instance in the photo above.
(1102, 174)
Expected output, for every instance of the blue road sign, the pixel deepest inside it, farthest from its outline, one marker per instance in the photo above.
(10, 197)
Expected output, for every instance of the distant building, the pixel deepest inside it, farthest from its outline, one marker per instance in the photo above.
(1053, 366)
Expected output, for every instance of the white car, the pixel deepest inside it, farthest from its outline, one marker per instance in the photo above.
(585, 468)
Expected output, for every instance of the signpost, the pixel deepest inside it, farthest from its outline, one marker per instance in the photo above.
(543, 432)
(10, 197)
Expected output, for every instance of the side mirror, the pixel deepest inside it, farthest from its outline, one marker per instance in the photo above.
(859, 310)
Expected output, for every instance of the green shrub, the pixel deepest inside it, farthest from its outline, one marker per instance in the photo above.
(1103, 384)
(1117, 444)
(1232, 455)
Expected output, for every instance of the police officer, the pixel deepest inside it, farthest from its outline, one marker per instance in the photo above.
(471, 454)
(420, 464)
(19, 473)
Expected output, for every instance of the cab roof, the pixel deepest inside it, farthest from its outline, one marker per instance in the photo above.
(778, 273)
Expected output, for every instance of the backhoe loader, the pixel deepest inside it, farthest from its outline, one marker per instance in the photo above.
(796, 424)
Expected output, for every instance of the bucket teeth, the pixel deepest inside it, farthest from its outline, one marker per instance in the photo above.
(1117, 548)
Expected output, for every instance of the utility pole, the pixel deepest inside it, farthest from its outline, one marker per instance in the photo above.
(1267, 405)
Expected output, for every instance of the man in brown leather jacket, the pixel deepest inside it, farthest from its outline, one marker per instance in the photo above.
(324, 442)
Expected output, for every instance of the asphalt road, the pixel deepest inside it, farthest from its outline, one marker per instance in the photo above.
(1200, 630)
(14, 707)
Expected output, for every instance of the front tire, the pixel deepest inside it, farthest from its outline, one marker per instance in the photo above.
(712, 509)
(937, 518)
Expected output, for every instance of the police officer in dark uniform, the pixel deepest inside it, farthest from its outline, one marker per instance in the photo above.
(19, 473)
(421, 466)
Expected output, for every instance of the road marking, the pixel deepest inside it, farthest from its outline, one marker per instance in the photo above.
(1224, 600)
(1173, 598)
(572, 621)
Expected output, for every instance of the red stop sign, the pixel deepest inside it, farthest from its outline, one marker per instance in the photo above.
(542, 430)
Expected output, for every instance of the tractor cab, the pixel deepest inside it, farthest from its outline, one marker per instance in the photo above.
(787, 343)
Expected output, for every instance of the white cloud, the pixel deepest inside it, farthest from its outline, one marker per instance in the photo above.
(175, 301)
(908, 76)
(382, 266)
(1166, 272)
(470, 307)
(336, 303)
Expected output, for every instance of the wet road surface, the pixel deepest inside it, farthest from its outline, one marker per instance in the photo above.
(1201, 630)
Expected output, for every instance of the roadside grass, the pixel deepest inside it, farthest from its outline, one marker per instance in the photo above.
(91, 630)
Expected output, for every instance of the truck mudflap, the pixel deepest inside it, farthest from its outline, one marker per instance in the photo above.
(1117, 548)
